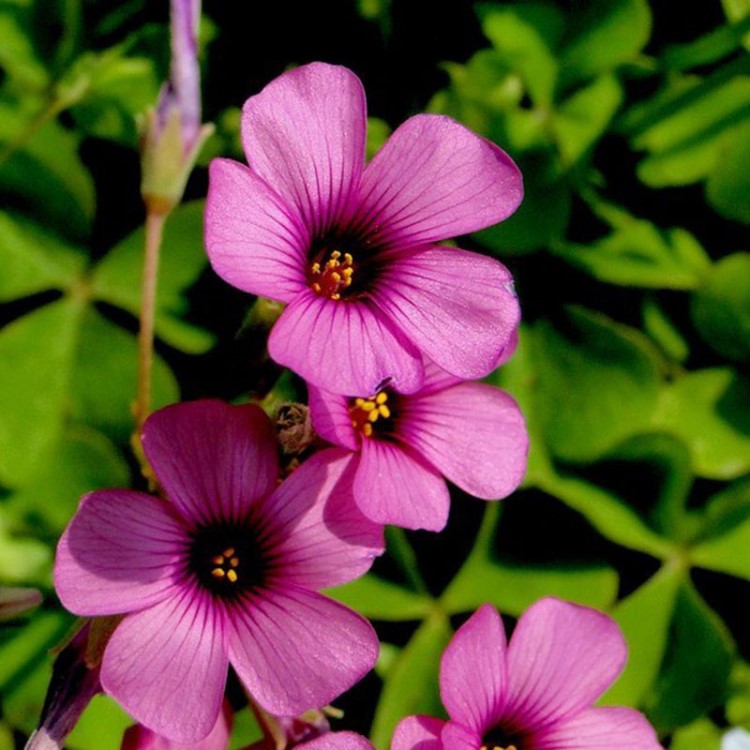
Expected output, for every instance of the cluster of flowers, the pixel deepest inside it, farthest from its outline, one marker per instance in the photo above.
(387, 328)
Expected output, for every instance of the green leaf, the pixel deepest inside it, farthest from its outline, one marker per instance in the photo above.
(721, 307)
(101, 726)
(710, 48)
(689, 125)
(606, 513)
(34, 260)
(639, 254)
(597, 384)
(18, 58)
(117, 279)
(524, 37)
(105, 376)
(604, 34)
(738, 705)
(83, 460)
(728, 187)
(513, 589)
(412, 683)
(45, 175)
(644, 618)
(738, 11)
(36, 354)
(378, 132)
(120, 88)
(580, 121)
(663, 331)
(708, 410)
(378, 599)
(726, 553)
(23, 559)
(700, 735)
(697, 664)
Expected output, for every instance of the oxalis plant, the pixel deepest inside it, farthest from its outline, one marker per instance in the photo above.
(321, 559)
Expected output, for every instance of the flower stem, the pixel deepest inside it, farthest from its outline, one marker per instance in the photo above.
(155, 217)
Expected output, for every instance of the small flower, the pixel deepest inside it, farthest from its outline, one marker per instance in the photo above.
(224, 571)
(535, 693)
(351, 248)
(471, 433)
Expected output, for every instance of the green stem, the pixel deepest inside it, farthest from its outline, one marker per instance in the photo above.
(154, 229)
(403, 554)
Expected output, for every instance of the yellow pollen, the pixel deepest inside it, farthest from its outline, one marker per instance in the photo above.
(384, 411)
(218, 560)
(218, 573)
(497, 747)
(232, 576)
(381, 398)
(367, 429)
(234, 561)
(329, 279)
(373, 415)
(365, 412)
(228, 552)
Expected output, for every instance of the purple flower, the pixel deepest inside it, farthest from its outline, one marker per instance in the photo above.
(224, 571)
(327, 741)
(471, 433)
(351, 248)
(535, 693)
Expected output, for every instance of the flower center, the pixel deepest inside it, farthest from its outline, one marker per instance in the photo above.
(227, 560)
(332, 277)
(370, 414)
(497, 739)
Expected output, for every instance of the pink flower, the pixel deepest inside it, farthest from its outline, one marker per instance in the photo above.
(535, 693)
(351, 248)
(471, 433)
(139, 737)
(327, 741)
(225, 571)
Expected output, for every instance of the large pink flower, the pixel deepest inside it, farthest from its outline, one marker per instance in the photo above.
(351, 248)
(225, 571)
(535, 693)
(471, 433)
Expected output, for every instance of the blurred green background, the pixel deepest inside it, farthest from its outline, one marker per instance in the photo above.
(631, 123)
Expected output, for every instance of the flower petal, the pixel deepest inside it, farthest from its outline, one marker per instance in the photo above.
(473, 675)
(318, 535)
(457, 307)
(418, 733)
(598, 729)
(458, 737)
(344, 347)
(305, 135)
(393, 485)
(167, 666)
(434, 179)
(331, 419)
(214, 460)
(561, 658)
(338, 741)
(254, 241)
(295, 649)
(118, 554)
(473, 433)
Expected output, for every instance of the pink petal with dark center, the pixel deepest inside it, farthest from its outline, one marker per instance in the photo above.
(338, 741)
(318, 535)
(295, 649)
(214, 460)
(394, 485)
(473, 675)
(343, 346)
(418, 733)
(167, 665)
(457, 307)
(254, 240)
(305, 135)
(598, 729)
(456, 736)
(434, 179)
(121, 552)
(562, 657)
(331, 418)
(473, 433)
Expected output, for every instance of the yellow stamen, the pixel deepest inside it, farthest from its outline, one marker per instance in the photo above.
(381, 398)
(218, 573)
(218, 560)
(228, 552)
(234, 561)
(348, 259)
(385, 412)
(367, 405)
(367, 429)
(373, 415)
(335, 255)
(232, 576)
